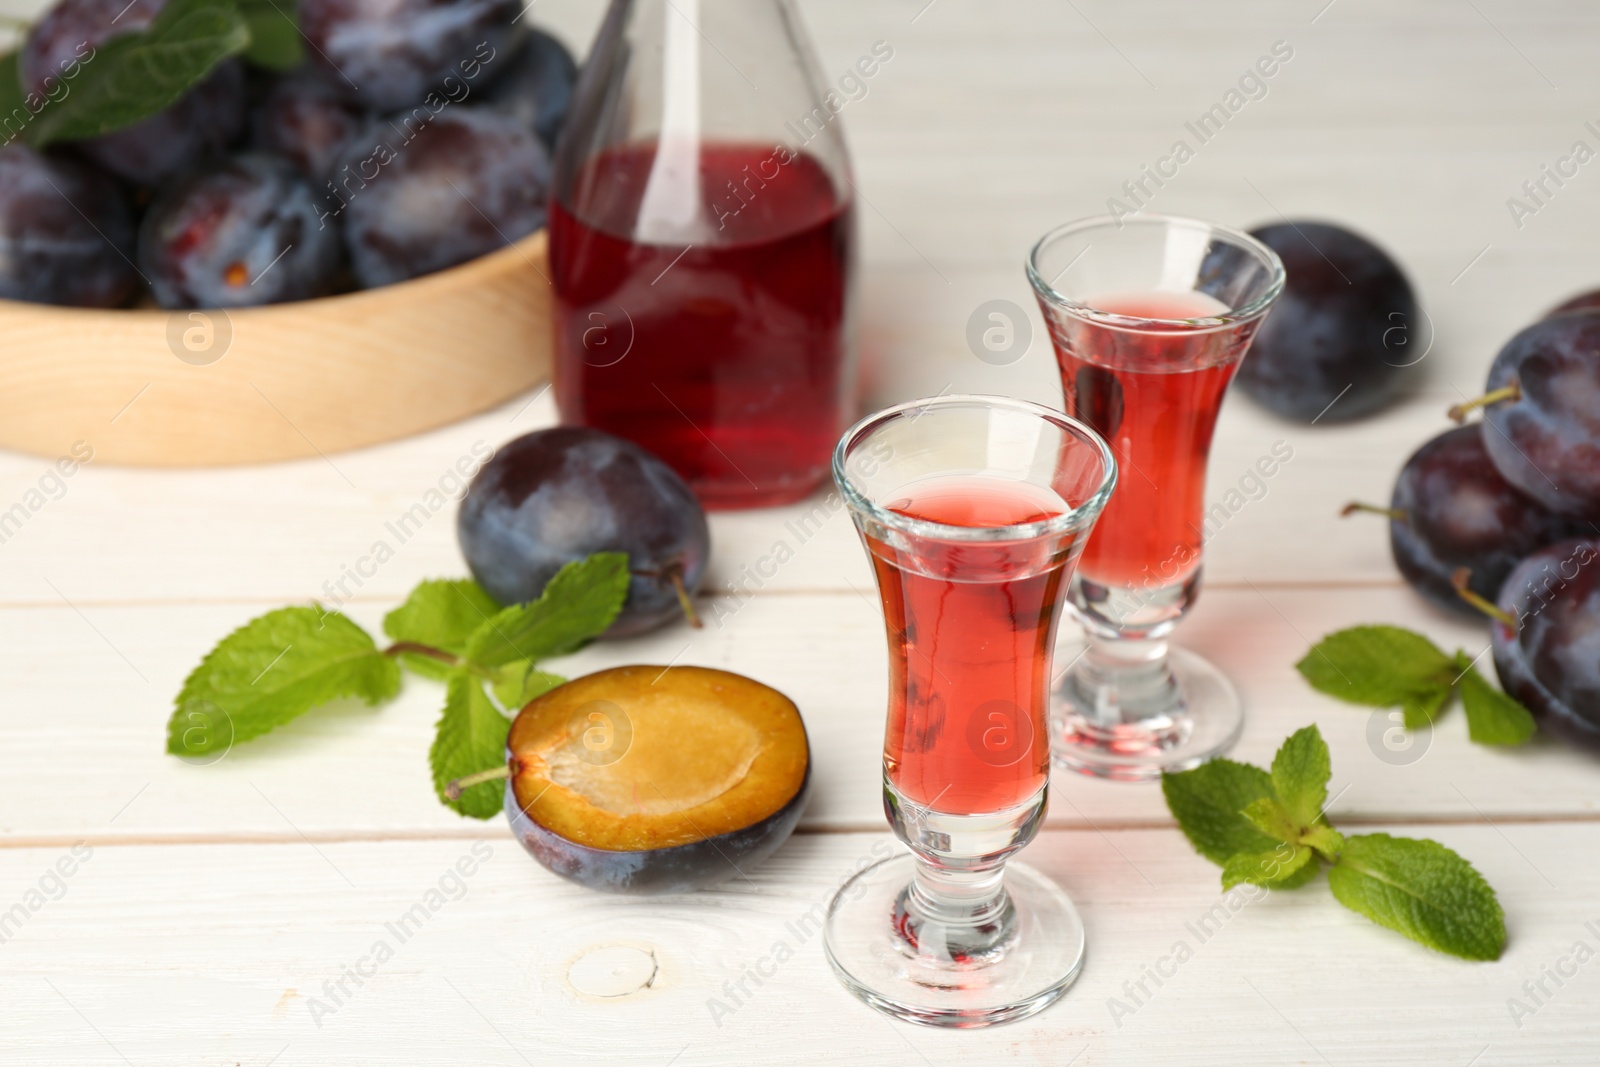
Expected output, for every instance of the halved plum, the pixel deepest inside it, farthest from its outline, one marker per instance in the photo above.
(653, 780)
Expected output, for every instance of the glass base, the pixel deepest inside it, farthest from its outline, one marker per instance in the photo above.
(1173, 722)
(911, 974)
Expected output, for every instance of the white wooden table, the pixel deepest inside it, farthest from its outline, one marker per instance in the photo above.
(209, 905)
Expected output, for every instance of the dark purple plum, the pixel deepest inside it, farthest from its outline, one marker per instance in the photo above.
(1541, 412)
(1547, 646)
(390, 54)
(466, 183)
(1339, 341)
(1452, 509)
(535, 85)
(565, 493)
(240, 233)
(66, 232)
(1577, 305)
(205, 121)
(309, 123)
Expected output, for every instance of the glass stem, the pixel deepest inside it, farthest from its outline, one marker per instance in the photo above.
(958, 896)
(1126, 680)
(958, 916)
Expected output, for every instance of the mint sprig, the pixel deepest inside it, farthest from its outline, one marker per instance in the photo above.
(287, 662)
(139, 74)
(1271, 830)
(135, 75)
(274, 33)
(271, 671)
(1391, 667)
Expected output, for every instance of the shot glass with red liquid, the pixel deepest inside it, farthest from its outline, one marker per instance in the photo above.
(974, 510)
(702, 246)
(1150, 317)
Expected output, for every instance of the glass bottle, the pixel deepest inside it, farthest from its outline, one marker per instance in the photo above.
(702, 246)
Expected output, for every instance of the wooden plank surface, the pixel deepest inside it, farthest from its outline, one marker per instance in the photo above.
(218, 899)
(354, 771)
(220, 953)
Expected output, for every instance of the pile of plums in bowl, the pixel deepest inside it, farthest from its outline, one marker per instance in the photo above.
(375, 141)
(1502, 515)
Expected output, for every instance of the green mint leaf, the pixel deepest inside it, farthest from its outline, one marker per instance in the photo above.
(1300, 773)
(1423, 707)
(519, 682)
(441, 613)
(577, 605)
(14, 113)
(274, 34)
(1377, 666)
(1423, 890)
(1268, 815)
(1208, 801)
(1493, 718)
(1282, 868)
(1325, 839)
(135, 75)
(273, 669)
(471, 737)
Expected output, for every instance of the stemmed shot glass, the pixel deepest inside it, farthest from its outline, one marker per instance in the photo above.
(1150, 317)
(974, 510)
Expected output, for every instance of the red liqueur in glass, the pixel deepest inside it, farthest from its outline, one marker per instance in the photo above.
(970, 626)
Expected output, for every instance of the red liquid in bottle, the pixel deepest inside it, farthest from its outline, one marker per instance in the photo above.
(969, 645)
(1154, 394)
(726, 357)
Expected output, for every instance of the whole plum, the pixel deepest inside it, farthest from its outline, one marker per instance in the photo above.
(241, 233)
(1541, 411)
(1576, 305)
(309, 123)
(1452, 509)
(466, 183)
(1547, 638)
(66, 233)
(562, 494)
(389, 54)
(535, 86)
(1338, 342)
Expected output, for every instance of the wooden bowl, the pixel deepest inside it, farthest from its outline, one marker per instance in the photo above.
(249, 385)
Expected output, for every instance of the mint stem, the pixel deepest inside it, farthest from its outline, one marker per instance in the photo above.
(461, 785)
(415, 648)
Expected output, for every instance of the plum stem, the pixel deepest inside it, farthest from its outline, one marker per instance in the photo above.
(460, 785)
(673, 572)
(675, 575)
(1355, 505)
(1460, 578)
(1510, 392)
